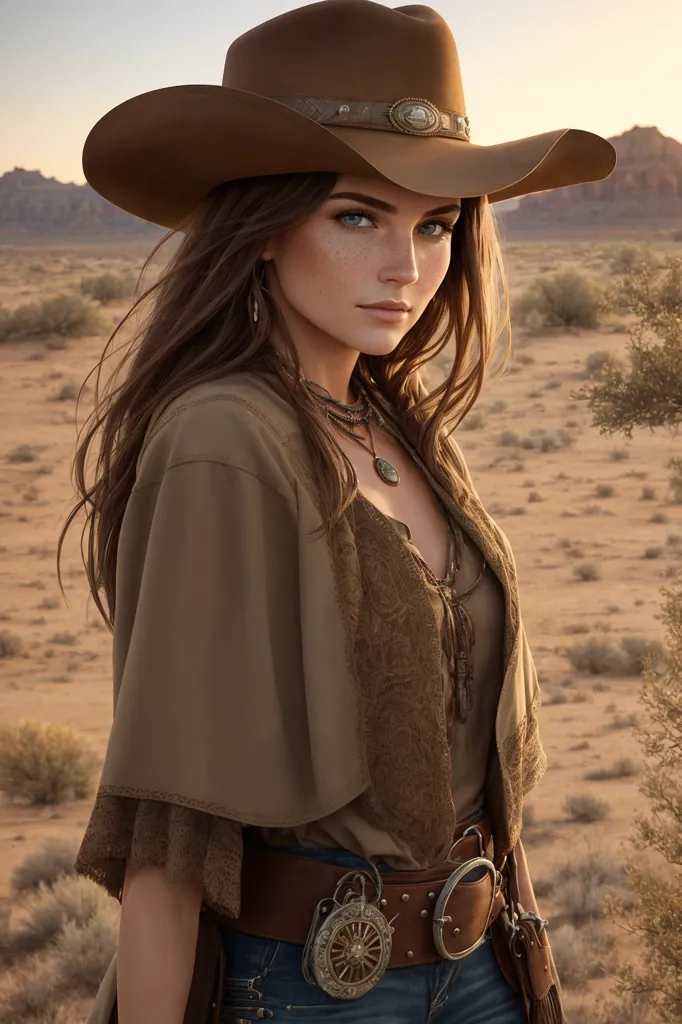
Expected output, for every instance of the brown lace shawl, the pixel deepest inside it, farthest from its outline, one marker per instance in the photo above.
(389, 749)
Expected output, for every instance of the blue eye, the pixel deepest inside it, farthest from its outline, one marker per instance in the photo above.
(358, 214)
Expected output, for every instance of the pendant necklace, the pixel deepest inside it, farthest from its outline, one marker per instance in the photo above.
(345, 417)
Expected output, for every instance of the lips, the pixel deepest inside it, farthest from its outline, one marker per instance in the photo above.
(388, 304)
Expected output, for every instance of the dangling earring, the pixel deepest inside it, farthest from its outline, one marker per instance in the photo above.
(252, 301)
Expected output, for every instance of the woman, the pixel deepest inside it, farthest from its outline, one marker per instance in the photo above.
(325, 705)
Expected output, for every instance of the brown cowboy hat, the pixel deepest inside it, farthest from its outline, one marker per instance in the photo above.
(343, 85)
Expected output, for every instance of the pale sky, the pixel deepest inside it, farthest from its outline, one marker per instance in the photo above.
(528, 66)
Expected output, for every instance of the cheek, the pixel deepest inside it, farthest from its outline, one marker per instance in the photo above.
(433, 263)
(320, 265)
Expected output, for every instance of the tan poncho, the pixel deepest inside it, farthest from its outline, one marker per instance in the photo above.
(267, 677)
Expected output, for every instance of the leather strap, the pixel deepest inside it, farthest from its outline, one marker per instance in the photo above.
(410, 116)
(281, 891)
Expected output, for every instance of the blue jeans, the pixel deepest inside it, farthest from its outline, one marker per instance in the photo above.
(264, 981)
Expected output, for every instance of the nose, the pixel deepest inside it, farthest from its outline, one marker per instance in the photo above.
(400, 261)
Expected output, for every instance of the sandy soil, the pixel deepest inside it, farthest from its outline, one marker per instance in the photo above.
(64, 675)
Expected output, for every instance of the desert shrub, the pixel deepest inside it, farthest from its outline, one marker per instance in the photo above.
(648, 493)
(646, 393)
(585, 807)
(628, 257)
(509, 439)
(653, 552)
(83, 950)
(51, 861)
(107, 287)
(66, 393)
(474, 421)
(623, 768)
(604, 491)
(654, 920)
(67, 316)
(597, 657)
(623, 722)
(675, 479)
(546, 440)
(45, 912)
(44, 764)
(597, 360)
(659, 517)
(564, 299)
(579, 954)
(10, 644)
(586, 572)
(32, 994)
(22, 453)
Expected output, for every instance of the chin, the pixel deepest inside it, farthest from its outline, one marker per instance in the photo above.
(377, 343)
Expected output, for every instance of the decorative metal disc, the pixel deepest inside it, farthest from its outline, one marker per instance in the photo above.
(415, 116)
(388, 473)
(352, 950)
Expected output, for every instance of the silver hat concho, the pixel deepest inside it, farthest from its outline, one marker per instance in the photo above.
(415, 116)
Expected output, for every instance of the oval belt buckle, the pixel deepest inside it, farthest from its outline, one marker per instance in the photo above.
(351, 950)
(440, 918)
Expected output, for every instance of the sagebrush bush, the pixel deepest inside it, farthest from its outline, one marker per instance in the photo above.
(53, 859)
(45, 912)
(586, 572)
(628, 257)
(585, 807)
(44, 763)
(10, 644)
(675, 479)
(83, 951)
(596, 361)
(565, 299)
(107, 287)
(597, 657)
(66, 316)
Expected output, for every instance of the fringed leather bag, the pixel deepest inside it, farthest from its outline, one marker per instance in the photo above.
(523, 952)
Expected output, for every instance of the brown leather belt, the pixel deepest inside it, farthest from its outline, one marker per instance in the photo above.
(281, 892)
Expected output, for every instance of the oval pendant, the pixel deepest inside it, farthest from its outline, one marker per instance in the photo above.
(388, 473)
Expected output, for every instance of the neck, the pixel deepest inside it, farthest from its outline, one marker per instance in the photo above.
(330, 370)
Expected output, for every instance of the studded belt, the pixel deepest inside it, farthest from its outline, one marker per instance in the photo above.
(434, 914)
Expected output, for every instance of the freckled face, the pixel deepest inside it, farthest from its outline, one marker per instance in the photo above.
(351, 253)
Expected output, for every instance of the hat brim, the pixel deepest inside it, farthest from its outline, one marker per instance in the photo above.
(158, 154)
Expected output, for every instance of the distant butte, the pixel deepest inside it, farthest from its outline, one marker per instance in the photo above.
(35, 209)
(644, 192)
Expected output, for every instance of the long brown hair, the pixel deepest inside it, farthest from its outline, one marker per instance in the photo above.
(199, 330)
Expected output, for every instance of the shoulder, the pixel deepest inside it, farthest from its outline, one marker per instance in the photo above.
(238, 421)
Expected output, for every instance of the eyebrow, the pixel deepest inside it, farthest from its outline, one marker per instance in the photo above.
(388, 207)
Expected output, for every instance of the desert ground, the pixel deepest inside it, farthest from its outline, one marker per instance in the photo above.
(594, 501)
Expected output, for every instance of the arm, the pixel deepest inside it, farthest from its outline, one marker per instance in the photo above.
(156, 946)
